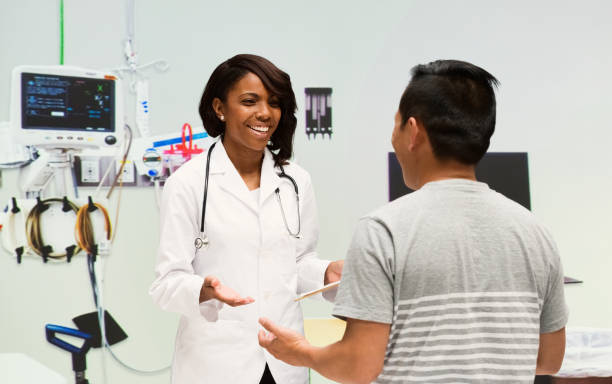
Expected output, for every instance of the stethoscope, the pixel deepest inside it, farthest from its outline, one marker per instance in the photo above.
(202, 240)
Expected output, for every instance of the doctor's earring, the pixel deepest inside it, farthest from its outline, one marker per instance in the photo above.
(222, 118)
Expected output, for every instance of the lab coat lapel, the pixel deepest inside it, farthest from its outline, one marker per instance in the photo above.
(269, 177)
(228, 177)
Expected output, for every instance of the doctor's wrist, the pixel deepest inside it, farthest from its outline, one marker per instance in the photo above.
(205, 294)
(207, 291)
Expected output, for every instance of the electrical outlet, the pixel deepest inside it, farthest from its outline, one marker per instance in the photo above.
(129, 174)
(90, 170)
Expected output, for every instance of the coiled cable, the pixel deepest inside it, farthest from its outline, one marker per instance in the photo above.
(10, 232)
(34, 233)
(84, 232)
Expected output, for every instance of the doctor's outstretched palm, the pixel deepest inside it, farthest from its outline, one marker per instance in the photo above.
(213, 289)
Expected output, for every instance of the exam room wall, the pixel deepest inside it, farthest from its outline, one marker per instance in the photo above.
(552, 58)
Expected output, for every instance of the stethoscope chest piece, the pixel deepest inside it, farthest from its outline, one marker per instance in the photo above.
(201, 242)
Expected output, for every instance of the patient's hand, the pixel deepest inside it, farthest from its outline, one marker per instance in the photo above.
(333, 272)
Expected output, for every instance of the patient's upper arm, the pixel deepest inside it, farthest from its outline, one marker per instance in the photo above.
(551, 352)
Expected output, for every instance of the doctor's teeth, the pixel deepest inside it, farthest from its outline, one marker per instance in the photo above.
(260, 128)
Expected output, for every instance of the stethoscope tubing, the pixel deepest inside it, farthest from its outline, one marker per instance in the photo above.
(206, 186)
(297, 201)
(199, 242)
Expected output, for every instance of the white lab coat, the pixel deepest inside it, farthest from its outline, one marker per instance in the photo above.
(251, 251)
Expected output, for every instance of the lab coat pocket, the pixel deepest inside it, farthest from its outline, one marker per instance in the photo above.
(203, 337)
(211, 352)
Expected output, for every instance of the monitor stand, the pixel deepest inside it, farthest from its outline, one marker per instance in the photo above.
(52, 164)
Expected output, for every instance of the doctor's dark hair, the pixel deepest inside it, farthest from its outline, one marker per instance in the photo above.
(276, 81)
(455, 103)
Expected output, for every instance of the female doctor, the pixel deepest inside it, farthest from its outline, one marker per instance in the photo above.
(239, 232)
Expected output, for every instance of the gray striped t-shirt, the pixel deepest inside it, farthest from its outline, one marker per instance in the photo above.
(467, 279)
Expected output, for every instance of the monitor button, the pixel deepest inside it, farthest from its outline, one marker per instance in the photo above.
(110, 140)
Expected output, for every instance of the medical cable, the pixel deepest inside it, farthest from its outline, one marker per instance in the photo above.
(117, 209)
(106, 173)
(74, 178)
(91, 258)
(97, 294)
(157, 192)
(129, 52)
(97, 301)
(130, 56)
(123, 161)
(10, 234)
(110, 166)
(84, 232)
(34, 234)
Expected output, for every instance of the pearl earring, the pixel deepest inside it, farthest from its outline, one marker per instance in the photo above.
(222, 118)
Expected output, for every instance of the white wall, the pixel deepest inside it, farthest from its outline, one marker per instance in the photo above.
(552, 57)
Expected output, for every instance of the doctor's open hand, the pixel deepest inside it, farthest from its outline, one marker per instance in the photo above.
(283, 343)
(213, 289)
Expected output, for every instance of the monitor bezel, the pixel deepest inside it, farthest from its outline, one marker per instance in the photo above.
(65, 138)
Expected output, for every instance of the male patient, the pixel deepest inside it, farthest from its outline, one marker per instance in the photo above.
(453, 283)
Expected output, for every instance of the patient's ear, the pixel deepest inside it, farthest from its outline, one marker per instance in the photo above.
(412, 126)
(417, 135)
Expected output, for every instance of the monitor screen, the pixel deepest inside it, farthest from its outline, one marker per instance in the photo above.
(54, 102)
(504, 172)
(63, 107)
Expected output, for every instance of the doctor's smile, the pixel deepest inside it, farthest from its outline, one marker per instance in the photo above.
(259, 128)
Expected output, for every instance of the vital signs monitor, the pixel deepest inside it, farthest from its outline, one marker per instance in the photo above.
(66, 107)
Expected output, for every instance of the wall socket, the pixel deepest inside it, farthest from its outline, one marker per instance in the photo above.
(89, 171)
(129, 172)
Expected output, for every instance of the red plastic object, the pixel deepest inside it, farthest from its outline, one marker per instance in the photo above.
(182, 149)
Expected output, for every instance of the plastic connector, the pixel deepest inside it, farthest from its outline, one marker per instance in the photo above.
(41, 206)
(66, 205)
(15, 208)
(90, 205)
(103, 247)
(70, 252)
(94, 253)
(19, 253)
(46, 251)
(131, 57)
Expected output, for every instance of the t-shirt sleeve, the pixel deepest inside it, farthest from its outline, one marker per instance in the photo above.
(554, 309)
(366, 288)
